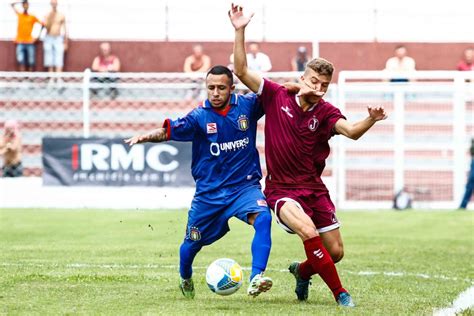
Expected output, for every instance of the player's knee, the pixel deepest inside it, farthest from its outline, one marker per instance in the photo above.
(263, 220)
(336, 252)
(190, 246)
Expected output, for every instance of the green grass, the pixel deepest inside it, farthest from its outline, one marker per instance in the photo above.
(125, 262)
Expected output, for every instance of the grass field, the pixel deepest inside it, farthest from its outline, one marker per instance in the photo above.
(125, 263)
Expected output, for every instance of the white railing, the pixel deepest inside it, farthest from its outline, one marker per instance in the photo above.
(422, 146)
(450, 95)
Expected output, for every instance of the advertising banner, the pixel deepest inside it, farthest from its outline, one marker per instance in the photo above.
(111, 162)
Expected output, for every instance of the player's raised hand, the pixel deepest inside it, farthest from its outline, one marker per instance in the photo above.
(237, 17)
(377, 113)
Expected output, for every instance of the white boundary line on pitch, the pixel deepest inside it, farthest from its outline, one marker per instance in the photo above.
(464, 301)
(176, 267)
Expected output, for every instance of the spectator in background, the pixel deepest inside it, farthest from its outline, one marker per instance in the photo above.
(25, 43)
(470, 181)
(198, 61)
(466, 64)
(106, 62)
(10, 149)
(256, 60)
(55, 41)
(298, 63)
(400, 64)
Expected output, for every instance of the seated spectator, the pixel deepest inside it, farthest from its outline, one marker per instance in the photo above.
(256, 60)
(25, 43)
(466, 64)
(10, 149)
(106, 62)
(298, 63)
(198, 61)
(400, 64)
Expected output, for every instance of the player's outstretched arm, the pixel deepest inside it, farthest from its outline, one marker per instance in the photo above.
(251, 79)
(155, 136)
(356, 130)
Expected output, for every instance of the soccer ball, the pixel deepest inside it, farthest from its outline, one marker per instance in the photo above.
(224, 276)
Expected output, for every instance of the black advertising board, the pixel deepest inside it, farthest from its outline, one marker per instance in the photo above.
(111, 162)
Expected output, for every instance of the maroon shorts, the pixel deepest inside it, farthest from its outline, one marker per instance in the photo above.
(317, 205)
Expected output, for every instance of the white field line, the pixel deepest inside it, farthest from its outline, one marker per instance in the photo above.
(464, 301)
(176, 267)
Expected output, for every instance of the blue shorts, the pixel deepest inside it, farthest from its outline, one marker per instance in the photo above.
(209, 215)
(25, 54)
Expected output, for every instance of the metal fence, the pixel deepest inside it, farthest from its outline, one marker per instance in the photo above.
(422, 147)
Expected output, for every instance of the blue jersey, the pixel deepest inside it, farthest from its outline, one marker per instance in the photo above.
(224, 151)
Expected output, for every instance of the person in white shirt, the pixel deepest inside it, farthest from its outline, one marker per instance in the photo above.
(256, 60)
(400, 64)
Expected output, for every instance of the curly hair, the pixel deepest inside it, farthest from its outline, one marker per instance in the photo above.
(321, 66)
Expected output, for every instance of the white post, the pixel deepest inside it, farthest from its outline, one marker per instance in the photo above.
(86, 103)
(459, 139)
(315, 46)
(399, 135)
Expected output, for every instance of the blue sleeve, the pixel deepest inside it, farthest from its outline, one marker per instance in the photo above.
(255, 104)
(182, 129)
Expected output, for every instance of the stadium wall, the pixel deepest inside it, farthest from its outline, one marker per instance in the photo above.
(168, 56)
(163, 56)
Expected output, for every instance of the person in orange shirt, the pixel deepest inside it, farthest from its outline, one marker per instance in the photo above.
(25, 43)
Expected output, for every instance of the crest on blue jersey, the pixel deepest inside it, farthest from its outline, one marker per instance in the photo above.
(243, 123)
(194, 233)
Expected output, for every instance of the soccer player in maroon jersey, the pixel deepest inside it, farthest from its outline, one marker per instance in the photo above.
(297, 130)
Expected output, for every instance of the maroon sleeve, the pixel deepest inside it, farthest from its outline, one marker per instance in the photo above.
(332, 116)
(268, 92)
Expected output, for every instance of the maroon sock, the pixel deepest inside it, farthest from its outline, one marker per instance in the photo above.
(322, 264)
(305, 270)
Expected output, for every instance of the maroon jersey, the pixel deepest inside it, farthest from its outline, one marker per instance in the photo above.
(296, 142)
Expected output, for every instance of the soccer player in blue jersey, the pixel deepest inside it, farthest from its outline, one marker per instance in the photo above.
(226, 168)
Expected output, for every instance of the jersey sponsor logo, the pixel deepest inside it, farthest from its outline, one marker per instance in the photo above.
(262, 203)
(313, 124)
(211, 128)
(194, 233)
(286, 109)
(216, 148)
(243, 123)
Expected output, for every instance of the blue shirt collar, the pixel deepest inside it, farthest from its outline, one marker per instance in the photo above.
(233, 101)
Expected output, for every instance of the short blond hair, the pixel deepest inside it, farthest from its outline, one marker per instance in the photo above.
(321, 66)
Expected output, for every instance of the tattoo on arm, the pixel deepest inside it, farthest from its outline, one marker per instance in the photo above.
(157, 136)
